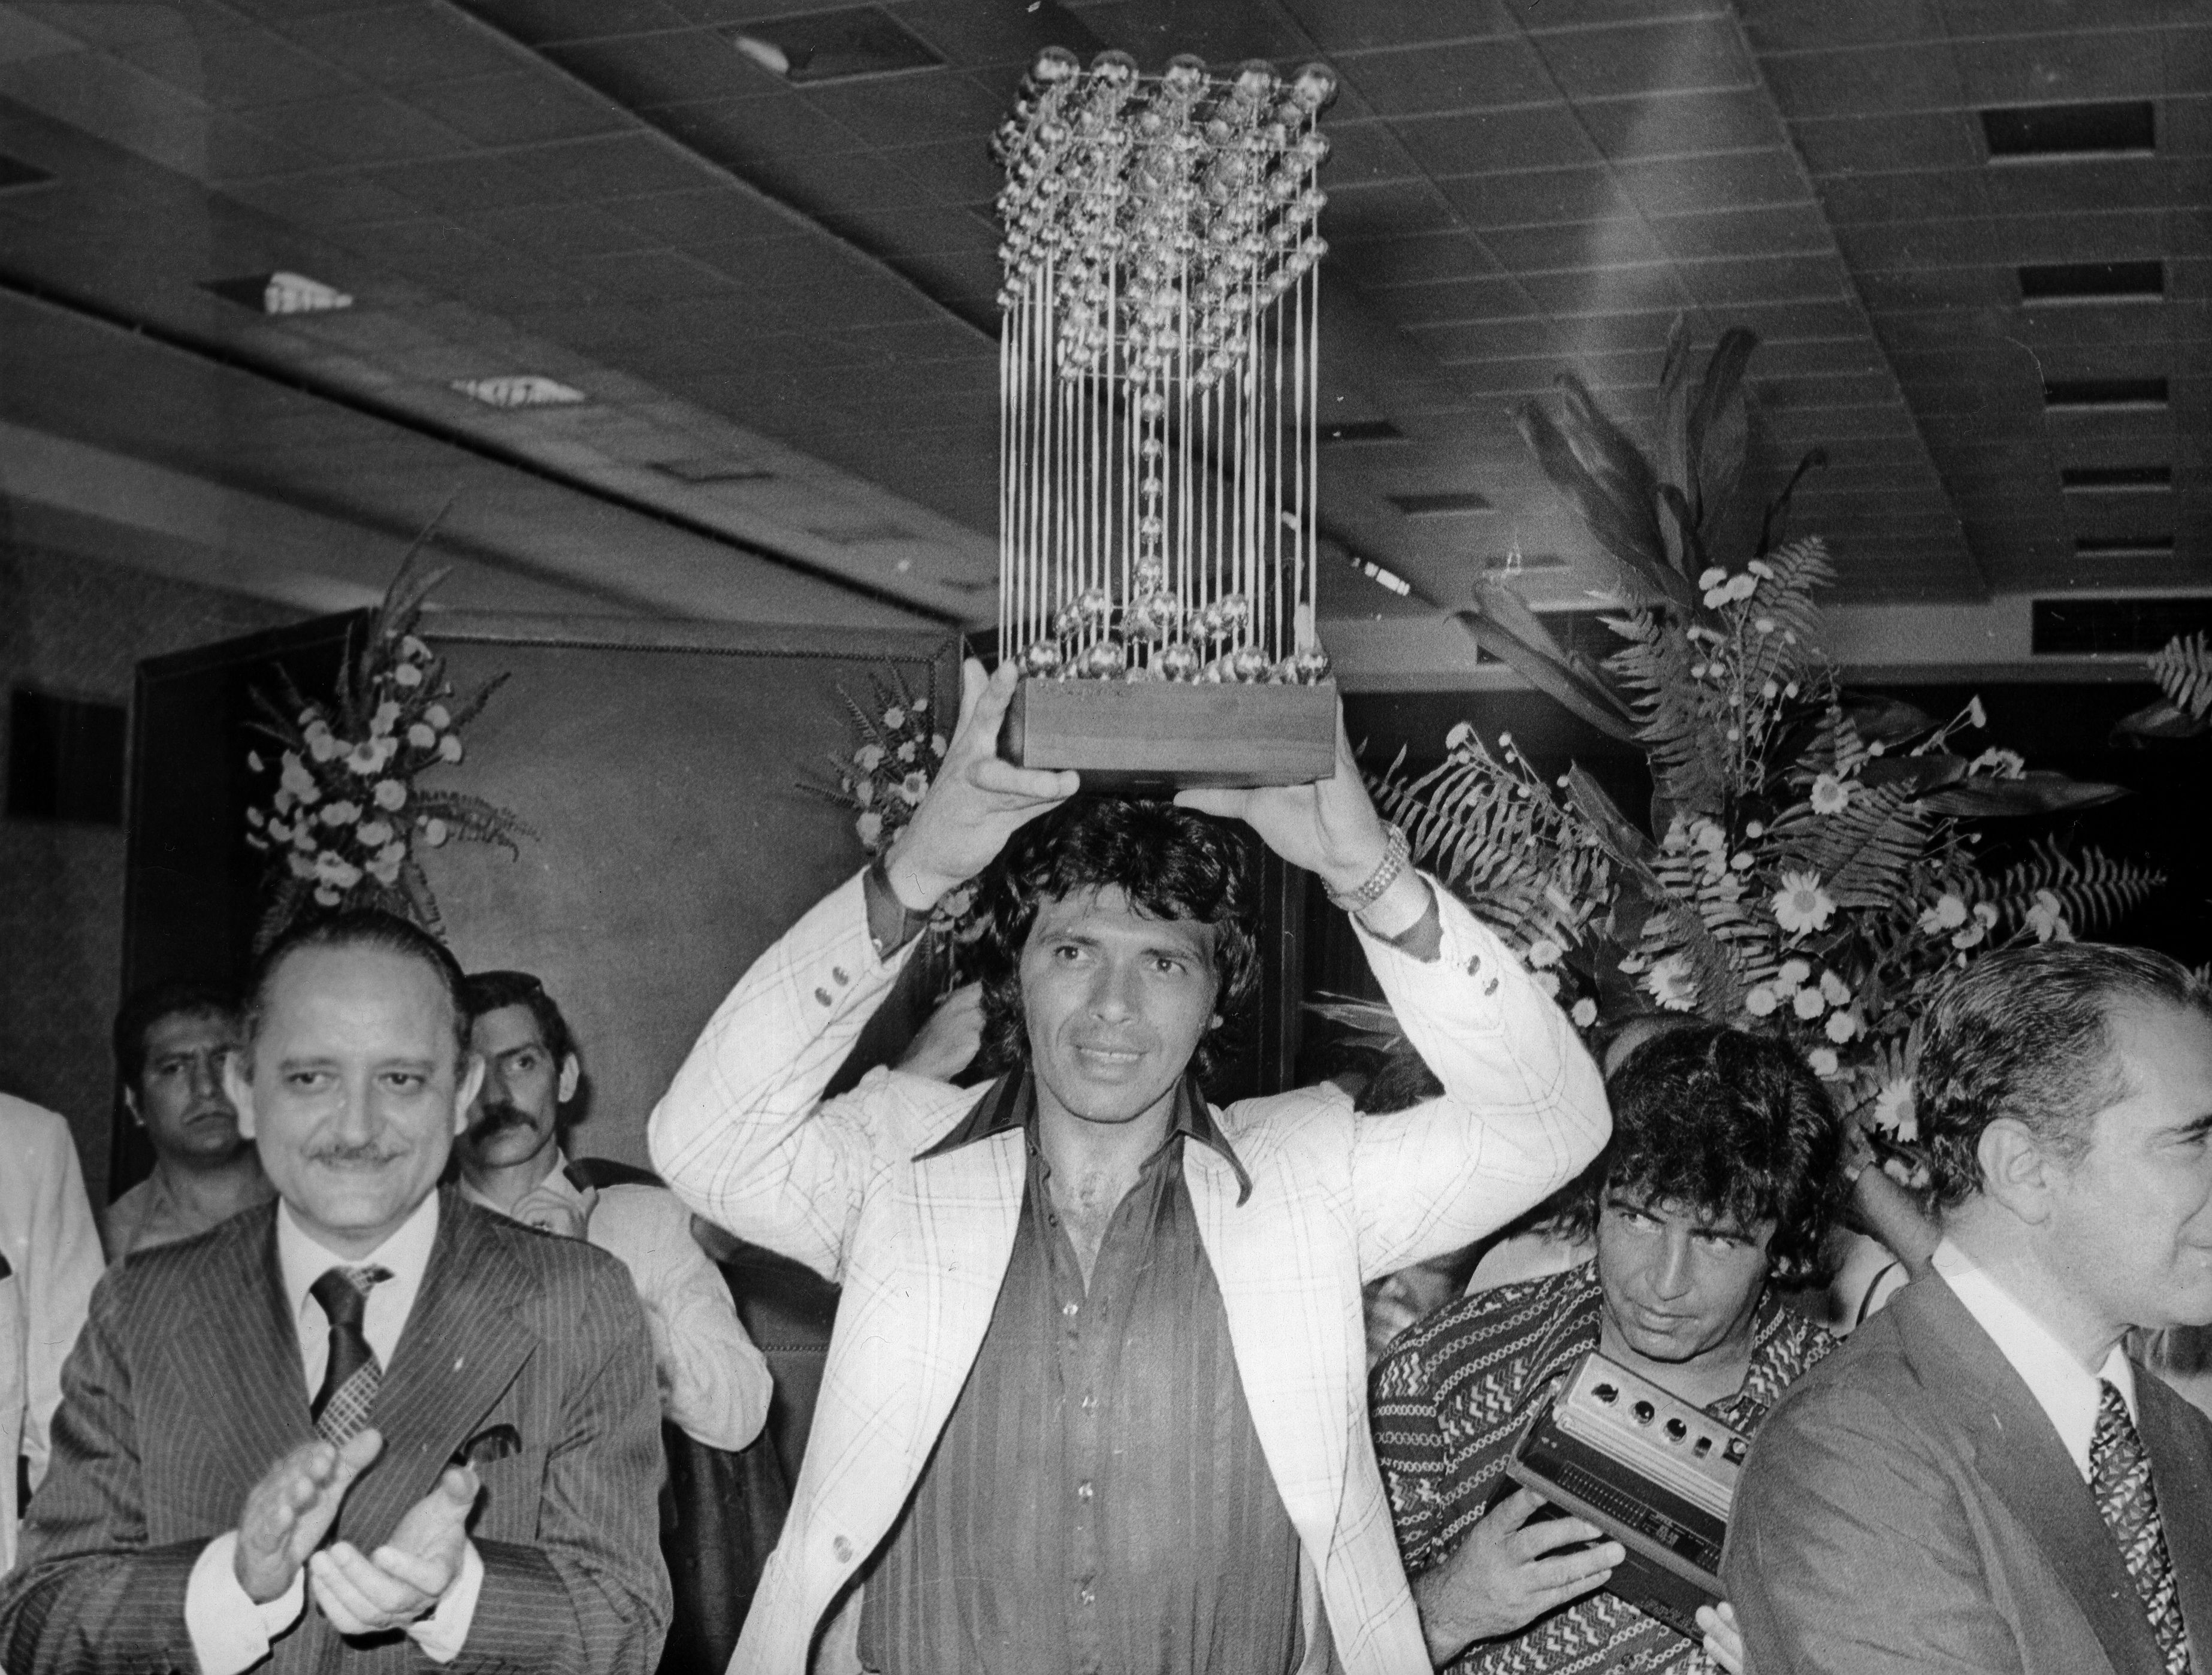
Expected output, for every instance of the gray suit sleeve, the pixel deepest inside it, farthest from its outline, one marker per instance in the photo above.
(1851, 1550)
(87, 1593)
(591, 1596)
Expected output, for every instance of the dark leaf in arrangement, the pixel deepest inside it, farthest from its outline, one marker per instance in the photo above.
(2159, 721)
(1719, 427)
(1980, 797)
(1676, 392)
(1775, 525)
(1499, 621)
(1916, 775)
(1627, 845)
(1616, 497)
(1884, 720)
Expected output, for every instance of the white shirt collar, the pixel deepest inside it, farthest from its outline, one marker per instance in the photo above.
(556, 1178)
(2067, 1391)
(302, 1261)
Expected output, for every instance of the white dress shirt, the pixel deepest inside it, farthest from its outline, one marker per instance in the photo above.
(2066, 1390)
(230, 1632)
(714, 1384)
(49, 1262)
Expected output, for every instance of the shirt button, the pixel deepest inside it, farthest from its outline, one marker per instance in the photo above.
(1070, 1309)
(1090, 1403)
(1082, 1491)
(841, 1551)
(1086, 1597)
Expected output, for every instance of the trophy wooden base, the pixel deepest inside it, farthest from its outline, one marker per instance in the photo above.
(1162, 735)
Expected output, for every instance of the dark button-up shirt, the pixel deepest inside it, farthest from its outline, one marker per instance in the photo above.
(1098, 1502)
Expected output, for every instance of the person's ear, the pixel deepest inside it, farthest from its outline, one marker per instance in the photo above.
(572, 1072)
(2017, 1168)
(465, 1095)
(131, 1102)
(237, 1083)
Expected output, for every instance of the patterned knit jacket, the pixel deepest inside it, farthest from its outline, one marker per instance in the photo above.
(1446, 1403)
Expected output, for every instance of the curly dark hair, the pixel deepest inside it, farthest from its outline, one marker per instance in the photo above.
(2026, 1033)
(1726, 1124)
(1171, 862)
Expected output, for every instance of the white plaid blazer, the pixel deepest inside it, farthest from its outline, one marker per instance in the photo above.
(920, 1247)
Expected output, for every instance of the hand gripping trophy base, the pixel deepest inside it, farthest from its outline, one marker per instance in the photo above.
(1158, 737)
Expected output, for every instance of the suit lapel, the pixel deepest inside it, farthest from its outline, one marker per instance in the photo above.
(242, 1363)
(966, 1205)
(2180, 1446)
(2018, 1453)
(1297, 1392)
(463, 1345)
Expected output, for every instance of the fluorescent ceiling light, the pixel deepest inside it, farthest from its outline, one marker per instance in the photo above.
(524, 390)
(835, 47)
(281, 293)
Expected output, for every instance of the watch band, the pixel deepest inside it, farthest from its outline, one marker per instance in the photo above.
(1396, 853)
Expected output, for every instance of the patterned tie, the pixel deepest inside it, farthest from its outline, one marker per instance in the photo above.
(341, 1407)
(2119, 1472)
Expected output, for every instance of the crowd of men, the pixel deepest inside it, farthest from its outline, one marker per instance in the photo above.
(372, 1372)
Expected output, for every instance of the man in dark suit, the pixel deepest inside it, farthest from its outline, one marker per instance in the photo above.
(1980, 1480)
(366, 1425)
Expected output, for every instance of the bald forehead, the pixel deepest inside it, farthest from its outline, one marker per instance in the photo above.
(360, 976)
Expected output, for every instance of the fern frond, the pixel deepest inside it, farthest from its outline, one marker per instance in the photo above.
(1865, 854)
(2182, 669)
(2092, 890)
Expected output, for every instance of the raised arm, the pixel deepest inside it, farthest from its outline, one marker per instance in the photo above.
(1524, 1107)
(742, 1135)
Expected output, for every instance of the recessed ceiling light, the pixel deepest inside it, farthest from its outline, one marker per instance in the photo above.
(1438, 505)
(281, 293)
(15, 172)
(2111, 545)
(711, 470)
(2119, 479)
(2104, 392)
(526, 389)
(2045, 132)
(834, 46)
(1361, 430)
(2093, 281)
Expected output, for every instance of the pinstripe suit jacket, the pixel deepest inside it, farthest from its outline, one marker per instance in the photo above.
(185, 1387)
(921, 1246)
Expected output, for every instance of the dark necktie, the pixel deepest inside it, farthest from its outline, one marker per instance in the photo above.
(341, 1407)
(2119, 1472)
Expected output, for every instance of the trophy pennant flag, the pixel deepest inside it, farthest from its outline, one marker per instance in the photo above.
(1158, 423)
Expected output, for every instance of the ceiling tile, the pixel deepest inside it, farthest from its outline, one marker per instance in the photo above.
(1936, 287)
(1379, 263)
(704, 215)
(642, 71)
(2114, 184)
(1782, 230)
(1936, 194)
(237, 69)
(745, 132)
(1608, 291)
(1521, 199)
(1727, 281)
(363, 127)
(1782, 25)
(1489, 299)
(1482, 143)
(1346, 25)
(907, 109)
(1900, 140)
(1919, 244)
(1389, 209)
(1489, 340)
(1864, 81)
(1436, 75)
(518, 107)
(2060, 69)
(1573, 244)
(410, 45)
(541, 23)
(1681, 123)
(1669, 56)
(1678, 185)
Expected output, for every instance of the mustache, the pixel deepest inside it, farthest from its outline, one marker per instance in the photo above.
(496, 1119)
(346, 1157)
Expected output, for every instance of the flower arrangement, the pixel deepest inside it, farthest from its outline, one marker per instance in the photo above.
(1808, 867)
(894, 756)
(343, 817)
